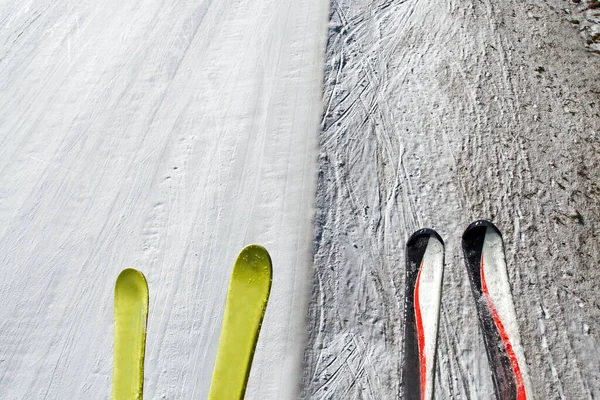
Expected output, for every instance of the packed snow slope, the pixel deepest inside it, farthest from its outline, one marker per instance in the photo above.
(163, 136)
(437, 113)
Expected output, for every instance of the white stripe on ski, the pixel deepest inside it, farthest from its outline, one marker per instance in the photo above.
(430, 292)
(499, 292)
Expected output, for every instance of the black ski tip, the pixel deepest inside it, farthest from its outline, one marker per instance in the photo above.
(421, 233)
(481, 224)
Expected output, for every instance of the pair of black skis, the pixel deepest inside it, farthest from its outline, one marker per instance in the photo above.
(483, 251)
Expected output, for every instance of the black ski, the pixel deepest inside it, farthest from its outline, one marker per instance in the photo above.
(423, 292)
(483, 250)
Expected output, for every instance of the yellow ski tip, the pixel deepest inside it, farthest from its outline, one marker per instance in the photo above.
(131, 314)
(245, 307)
(253, 263)
(131, 282)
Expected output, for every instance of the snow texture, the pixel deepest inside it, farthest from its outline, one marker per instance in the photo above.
(438, 113)
(586, 15)
(168, 135)
(163, 136)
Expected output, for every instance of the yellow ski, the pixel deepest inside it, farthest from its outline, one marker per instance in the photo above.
(131, 315)
(247, 298)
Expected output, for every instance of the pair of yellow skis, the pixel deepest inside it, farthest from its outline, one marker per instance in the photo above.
(245, 306)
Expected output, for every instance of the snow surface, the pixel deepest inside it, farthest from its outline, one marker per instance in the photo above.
(438, 113)
(163, 136)
(167, 135)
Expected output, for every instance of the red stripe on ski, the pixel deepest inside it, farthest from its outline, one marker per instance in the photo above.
(421, 335)
(521, 395)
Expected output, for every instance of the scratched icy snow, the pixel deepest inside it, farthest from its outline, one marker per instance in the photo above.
(438, 113)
